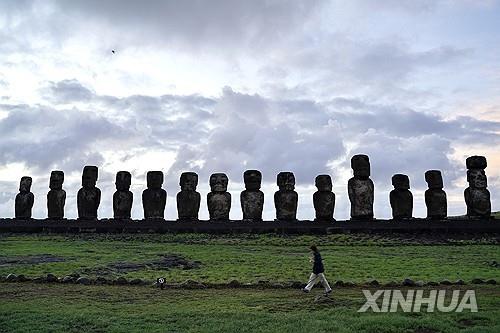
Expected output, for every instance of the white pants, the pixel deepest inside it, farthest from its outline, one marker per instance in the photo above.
(314, 278)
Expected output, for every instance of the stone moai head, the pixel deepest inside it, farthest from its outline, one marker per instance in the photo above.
(475, 173)
(286, 181)
(188, 181)
(154, 180)
(123, 180)
(360, 164)
(89, 176)
(477, 178)
(252, 179)
(56, 180)
(218, 182)
(434, 179)
(401, 182)
(323, 183)
(25, 184)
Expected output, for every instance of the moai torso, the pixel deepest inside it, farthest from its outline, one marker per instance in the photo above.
(56, 198)
(324, 198)
(123, 197)
(89, 196)
(24, 199)
(154, 198)
(219, 200)
(435, 197)
(360, 189)
(188, 200)
(286, 199)
(252, 198)
(401, 198)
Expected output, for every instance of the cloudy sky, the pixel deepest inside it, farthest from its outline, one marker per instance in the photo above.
(224, 86)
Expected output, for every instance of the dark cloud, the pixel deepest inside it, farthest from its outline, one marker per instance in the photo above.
(67, 91)
(43, 137)
(391, 61)
(402, 122)
(195, 24)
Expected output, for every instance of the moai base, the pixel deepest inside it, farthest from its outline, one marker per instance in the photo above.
(24, 199)
(56, 198)
(89, 196)
(123, 197)
(324, 199)
(360, 189)
(188, 200)
(154, 198)
(477, 196)
(435, 197)
(401, 198)
(286, 199)
(252, 198)
(219, 200)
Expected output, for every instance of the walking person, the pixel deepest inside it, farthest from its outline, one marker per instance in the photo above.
(318, 272)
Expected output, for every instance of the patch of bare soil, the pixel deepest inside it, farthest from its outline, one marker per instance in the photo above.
(165, 262)
(29, 260)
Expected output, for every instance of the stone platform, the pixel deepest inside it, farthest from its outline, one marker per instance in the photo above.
(451, 225)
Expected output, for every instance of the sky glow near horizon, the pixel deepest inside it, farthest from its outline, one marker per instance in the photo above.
(225, 86)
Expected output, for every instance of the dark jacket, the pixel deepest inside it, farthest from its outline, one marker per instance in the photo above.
(318, 264)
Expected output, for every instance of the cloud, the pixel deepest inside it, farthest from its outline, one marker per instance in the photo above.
(231, 133)
(42, 137)
(187, 24)
(67, 91)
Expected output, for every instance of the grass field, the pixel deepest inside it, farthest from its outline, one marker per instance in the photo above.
(31, 307)
(41, 307)
(250, 258)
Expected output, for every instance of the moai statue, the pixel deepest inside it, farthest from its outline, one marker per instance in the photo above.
(89, 196)
(286, 199)
(435, 197)
(477, 196)
(219, 200)
(188, 200)
(154, 198)
(401, 198)
(56, 198)
(252, 198)
(360, 189)
(324, 198)
(24, 199)
(123, 198)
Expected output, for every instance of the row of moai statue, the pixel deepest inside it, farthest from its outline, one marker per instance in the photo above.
(360, 191)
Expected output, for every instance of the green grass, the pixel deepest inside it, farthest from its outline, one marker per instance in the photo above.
(31, 307)
(250, 258)
(27, 307)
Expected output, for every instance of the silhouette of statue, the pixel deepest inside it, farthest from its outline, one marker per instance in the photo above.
(252, 198)
(435, 197)
(477, 196)
(286, 199)
(188, 200)
(219, 200)
(89, 196)
(360, 189)
(24, 199)
(324, 198)
(401, 198)
(122, 198)
(154, 198)
(56, 198)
